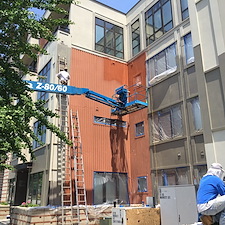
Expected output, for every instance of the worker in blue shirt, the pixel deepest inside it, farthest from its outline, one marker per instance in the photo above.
(211, 194)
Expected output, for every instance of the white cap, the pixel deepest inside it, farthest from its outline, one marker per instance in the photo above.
(217, 166)
(215, 169)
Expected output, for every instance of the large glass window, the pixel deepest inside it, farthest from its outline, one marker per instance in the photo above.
(161, 64)
(158, 20)
(167, 124)
(33, 66)
(189, 53)
(40, 132)
(110, 187)
(142, 184)
(110, 122)
(184, 9)
(178, 176)
(139, 129)
(44, 76)
(108, 38)
(35, 186)
(135, 27)
(196, 111)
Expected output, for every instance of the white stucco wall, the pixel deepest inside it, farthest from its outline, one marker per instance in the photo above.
(83, 30)
(215, 150)
(208, 29)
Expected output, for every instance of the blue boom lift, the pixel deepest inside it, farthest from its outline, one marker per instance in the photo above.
(120, 106)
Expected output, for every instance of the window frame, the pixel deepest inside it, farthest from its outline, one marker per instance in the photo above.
(117, 33)
(153, 64)
(44, 76)
(139, 133)
(109, 122)
(153, 12)
(163, 127)
(197, 121)
(110, 178)
(135, 31)
(140, 184)
(35, 185)
(188, 49)
(41, 137)
(184, 11)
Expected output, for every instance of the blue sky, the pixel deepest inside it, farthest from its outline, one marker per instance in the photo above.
(121, 5)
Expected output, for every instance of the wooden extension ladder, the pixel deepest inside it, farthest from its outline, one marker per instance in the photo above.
(80, 191)
(65, 166)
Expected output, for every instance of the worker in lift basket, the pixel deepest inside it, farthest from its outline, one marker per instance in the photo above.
(211, 196)
(63, 76)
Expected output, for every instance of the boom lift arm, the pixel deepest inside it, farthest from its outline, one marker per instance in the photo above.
(119, 107)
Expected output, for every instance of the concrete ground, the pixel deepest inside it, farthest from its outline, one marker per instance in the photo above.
(4, 222)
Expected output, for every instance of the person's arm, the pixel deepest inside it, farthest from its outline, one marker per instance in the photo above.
(221, 187)
(58, 74)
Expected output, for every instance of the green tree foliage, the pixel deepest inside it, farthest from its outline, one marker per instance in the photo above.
(17, 108)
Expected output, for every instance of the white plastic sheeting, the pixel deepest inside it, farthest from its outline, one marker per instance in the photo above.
(189, 53)
(110, 187)
(167, 124)
(164, 63)
(161, 65)
(196, 111)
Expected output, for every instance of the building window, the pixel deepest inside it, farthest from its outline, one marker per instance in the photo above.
(178, 176)
(33, 66)
(196, 111)
(184, 9)
(167, 124)
(11, 190)
(189, 53)
(44, 78)
(110, 187)
(142, 184)
(135, 27)
(110, 122)
(64, 28)
(158, 20)
(139, 129)
(40, 132)
(161, 64)
(108, 38)
(35, 186)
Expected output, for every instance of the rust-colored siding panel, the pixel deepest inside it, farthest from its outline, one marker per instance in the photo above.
(139, 150)
(105, 148)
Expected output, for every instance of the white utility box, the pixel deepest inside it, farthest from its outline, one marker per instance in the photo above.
(178, 205)
(135, 216)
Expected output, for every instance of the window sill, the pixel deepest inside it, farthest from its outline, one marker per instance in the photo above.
(40, 147)
(140, 136)
(189, 65)
(162, 78)
(167, 141)
(196, 133)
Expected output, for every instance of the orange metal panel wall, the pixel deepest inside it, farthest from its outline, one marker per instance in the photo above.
(105, 148)
(140, 154)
